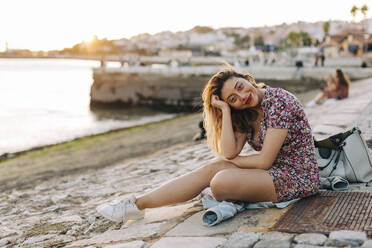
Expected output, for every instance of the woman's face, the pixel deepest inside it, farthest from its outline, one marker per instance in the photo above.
(239, 93)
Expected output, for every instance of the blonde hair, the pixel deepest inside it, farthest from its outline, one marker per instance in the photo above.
(241, 119)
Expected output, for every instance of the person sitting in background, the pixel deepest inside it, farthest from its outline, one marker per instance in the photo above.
(338, 88)
(200, 135)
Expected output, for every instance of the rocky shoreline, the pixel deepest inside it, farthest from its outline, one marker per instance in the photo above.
(94, 152)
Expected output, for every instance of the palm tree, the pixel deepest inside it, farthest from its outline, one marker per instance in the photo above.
(364, 10)
(326, 26)
(354, 11)
(294, 38)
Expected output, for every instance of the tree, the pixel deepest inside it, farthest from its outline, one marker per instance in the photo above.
(301, 38)
(202, 29)
(364, 10)
(354, 11)
(326, 26)
(293, 38)
(242, 41)
(305, 38)
(259, 41)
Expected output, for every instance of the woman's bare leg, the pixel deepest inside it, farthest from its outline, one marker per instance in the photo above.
(227, 182)
(319, 98)
(252, 185)
(183, 188)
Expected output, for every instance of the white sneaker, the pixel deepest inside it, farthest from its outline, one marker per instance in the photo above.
(121, 211)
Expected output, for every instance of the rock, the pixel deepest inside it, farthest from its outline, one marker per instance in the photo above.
(133, 244)
(193, 226)
(310, 239)
(277, 236)
(90, 228)
(74, 229)
(346, 238)
(4, 242)
(56, 241)
(367, 244)
(70, 218)
(242, 240)
(273, 244)
(186, 242)
(37, 239)
(91, 219)
(308, 246)
(136, 230)
(6, 232)
(168, 212)
(57, 198)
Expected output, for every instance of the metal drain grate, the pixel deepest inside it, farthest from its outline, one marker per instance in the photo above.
(329, 211)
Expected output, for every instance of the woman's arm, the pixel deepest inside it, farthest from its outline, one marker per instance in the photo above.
(231, 143)
(331, 83)
(273, 141)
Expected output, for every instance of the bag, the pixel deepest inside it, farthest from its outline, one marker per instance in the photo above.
(345, 155)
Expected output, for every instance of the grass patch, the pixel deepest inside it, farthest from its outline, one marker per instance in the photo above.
(85, 141)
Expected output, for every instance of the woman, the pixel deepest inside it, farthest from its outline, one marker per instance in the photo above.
(338, 88)
(236, 111)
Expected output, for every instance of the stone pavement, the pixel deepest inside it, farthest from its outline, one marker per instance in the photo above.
(61, 212)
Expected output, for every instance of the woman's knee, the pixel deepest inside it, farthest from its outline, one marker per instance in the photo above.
(216, 166)
(221, 185)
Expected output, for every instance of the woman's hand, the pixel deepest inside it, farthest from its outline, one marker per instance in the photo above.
(217, 103)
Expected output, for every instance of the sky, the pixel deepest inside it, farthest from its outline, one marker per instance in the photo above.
(52, 24)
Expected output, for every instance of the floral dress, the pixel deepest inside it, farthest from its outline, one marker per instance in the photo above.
(295, 170)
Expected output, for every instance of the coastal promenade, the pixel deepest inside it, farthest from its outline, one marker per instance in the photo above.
(60, 212)
(178, 88)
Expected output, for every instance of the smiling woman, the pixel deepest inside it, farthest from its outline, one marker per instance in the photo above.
(236, 111)
(241, 93)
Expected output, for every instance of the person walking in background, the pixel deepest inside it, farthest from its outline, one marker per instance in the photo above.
(322, 57)
(237, 110)
(102, 61)
(337, 89)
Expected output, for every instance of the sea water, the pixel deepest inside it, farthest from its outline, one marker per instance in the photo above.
(46, 101)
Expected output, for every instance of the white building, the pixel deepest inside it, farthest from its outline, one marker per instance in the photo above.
(368, 25)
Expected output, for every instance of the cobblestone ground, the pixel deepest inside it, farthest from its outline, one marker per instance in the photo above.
(61, 212)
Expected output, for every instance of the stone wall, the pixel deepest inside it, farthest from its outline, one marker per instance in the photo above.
(170, 91)
(179, 89)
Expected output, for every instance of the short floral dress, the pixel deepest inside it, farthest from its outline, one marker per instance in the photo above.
(294, 171)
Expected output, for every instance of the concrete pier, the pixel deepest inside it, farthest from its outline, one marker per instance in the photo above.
(179, 88)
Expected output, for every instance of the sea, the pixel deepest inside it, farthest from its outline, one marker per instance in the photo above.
(46, 101)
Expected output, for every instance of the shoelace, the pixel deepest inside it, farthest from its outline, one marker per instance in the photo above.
(121, 207)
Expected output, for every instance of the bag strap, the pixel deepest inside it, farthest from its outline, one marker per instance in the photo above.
(336, 161)
(335, 140)
(335, 157)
